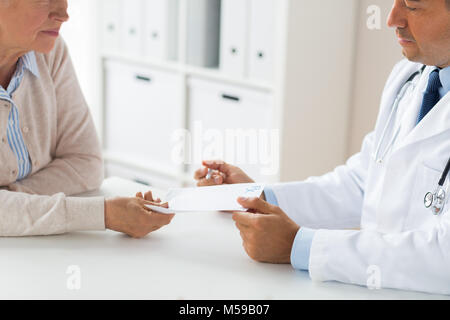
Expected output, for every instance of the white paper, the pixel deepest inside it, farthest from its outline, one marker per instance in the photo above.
(206, 199)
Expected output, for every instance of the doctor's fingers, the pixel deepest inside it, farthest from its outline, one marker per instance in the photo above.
(259, 205)
(217, 178)
(246, 221)
(219, 165)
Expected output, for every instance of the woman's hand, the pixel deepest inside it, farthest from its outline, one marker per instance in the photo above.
(223, 173)
(131, 216)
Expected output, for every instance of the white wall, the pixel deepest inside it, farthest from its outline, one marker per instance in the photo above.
(319, 88)
(377, 51)
(80, 34)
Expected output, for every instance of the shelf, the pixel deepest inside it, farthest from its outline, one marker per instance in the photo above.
(189, 71)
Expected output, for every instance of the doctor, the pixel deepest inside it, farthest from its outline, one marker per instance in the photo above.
(370, 214)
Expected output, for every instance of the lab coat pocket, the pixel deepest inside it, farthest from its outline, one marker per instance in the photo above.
(420, 217)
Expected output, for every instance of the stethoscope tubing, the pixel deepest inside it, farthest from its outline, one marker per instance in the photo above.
(436, 200)
(445, 174)
(397, 101)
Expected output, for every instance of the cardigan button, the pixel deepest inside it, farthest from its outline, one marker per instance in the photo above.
(25, 129)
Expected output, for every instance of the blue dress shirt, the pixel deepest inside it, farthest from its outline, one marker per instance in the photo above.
(444, 76)
(302, 244)
(13, 131)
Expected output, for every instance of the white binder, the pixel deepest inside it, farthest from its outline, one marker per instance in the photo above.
(203, 32)
(111, 26)
(161, 29)
(262, 40)
(131, 34)
(234, 37)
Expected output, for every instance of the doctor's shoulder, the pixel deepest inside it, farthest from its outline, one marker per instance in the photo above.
(399, 70)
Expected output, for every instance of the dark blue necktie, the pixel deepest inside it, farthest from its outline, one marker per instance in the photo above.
(431, 96)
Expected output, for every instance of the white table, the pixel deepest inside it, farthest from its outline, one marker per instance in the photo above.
(198, 256)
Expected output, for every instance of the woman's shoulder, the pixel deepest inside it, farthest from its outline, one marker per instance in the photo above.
(53, 60)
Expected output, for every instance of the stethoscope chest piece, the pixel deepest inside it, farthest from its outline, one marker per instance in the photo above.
(435, 201)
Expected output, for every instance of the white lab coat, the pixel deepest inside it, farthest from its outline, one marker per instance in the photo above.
(400, 239)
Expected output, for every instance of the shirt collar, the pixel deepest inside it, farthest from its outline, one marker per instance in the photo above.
(444, 76)
(28, 61)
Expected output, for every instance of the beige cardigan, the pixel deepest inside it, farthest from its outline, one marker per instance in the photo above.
(64, 149)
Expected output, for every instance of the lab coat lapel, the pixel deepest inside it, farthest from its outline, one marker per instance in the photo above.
(391, 94)
(437, 121)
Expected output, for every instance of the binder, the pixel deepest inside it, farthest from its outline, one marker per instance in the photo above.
(131, 35)
(161, 29)
(111, 24)
(234, 37)
(262, 40)
(203, 31)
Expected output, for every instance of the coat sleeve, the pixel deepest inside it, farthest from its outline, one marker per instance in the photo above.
(24, 214)
(415, 260)
(77, 165)
(332, 201)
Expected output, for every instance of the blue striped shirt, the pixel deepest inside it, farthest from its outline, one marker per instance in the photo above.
(13, 132)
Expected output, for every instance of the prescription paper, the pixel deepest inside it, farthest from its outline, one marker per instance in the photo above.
(204, 199)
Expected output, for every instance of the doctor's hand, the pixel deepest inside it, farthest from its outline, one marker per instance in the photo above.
(267, 232)
(131, 216)
(223, 173)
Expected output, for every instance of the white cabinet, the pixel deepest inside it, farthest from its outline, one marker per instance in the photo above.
(144, 108)
(263, 106)
(235, 124)
(134, 174)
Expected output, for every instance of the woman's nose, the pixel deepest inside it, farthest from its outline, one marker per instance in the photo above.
(59, 12)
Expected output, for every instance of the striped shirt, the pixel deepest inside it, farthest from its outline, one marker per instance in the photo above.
(14, 134)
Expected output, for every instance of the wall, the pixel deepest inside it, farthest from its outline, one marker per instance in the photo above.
(318, 89)
(80, 34)
(377, 51)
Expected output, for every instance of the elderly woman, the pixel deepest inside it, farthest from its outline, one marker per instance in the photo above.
(49, 149)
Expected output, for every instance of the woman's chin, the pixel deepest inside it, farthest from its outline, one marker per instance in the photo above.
(44, 46)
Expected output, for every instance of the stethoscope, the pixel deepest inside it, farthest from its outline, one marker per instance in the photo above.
(435, 201)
